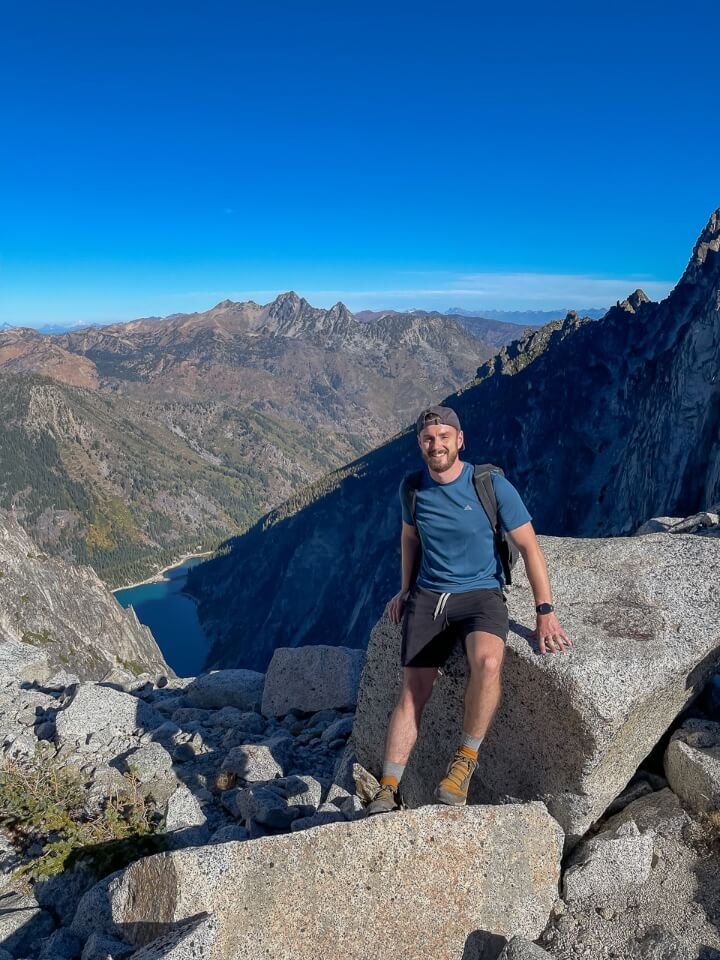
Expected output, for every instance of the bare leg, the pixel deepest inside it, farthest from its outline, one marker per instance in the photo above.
(405, 719)
(485, 653)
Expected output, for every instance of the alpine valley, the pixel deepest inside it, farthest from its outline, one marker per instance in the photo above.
(128, 446)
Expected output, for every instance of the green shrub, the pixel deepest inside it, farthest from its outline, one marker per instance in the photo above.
(45, 804)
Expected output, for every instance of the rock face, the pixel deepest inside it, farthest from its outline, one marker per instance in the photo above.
(342, 889)
(22, 661)
(242, 689)
(612, 864)
(99, 716)
(519, 949)
(638, 397)
(67, 614)
(670, 916)
(692, 764)
(704, 524)
(572, 728)
(312, 678)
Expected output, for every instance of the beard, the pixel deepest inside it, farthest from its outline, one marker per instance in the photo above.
(444, 463)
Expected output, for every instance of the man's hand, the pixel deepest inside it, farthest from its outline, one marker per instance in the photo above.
(396, 607)
(550, 635)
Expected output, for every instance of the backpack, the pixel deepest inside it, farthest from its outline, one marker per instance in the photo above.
(482, 481)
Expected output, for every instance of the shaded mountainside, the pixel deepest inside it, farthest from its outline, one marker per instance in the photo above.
(600, 424)
(193, 426)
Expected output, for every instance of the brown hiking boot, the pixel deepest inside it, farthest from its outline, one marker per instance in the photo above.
(453, 788)
(386, 799)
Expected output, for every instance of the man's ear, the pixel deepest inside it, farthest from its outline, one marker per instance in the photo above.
(461, 440)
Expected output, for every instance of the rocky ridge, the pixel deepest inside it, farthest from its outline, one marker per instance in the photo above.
(63, 617)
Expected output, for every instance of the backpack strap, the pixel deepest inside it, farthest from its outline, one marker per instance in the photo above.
(410, 486)
(482, 481)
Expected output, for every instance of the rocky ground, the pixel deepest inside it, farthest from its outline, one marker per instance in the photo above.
(222, 818)
(213, 768)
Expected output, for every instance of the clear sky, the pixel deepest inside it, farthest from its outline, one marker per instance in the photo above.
(160, 156)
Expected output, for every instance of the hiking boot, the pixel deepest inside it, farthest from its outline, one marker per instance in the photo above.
(453, 788)
(386, 799)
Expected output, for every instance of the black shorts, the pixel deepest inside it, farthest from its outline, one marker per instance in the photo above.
(433, 622)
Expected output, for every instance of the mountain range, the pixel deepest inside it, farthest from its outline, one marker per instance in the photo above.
(127, 445)
(523, 317)
(600, 424)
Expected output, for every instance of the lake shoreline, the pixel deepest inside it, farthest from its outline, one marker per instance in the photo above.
(157, 577)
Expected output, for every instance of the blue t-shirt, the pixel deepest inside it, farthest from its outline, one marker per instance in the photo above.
(458, 546)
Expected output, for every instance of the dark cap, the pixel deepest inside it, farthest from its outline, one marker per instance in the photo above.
(433, 416)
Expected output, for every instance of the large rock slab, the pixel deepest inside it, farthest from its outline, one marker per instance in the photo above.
(242, 689)
(692, 764)
(192, 941)
(99, 716)
(22, 661)
(572, 728)
(344, 888)
(610, 865)
(312, 678)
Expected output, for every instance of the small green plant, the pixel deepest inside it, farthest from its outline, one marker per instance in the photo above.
(36, 639)
(45, 804)
(25, 598)
(132, 666)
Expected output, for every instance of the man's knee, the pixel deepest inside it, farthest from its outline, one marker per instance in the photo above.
(485, 656)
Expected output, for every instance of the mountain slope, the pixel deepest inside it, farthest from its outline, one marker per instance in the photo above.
(495, 332)
(192, 427)
(64, 611)
(600, 424)
(97, 481)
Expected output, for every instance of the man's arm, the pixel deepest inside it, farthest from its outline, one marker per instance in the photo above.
(550, 635)
(410, 550)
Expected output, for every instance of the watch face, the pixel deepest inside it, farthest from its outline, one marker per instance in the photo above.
(545, 608)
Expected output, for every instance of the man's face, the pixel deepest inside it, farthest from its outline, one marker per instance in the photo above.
(440, 445)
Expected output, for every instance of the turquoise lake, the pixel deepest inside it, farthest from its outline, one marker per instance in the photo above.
(172, 617)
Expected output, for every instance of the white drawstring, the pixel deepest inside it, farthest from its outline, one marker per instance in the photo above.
(444, 597)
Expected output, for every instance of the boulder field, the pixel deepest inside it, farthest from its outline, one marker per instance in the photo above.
(601, 837)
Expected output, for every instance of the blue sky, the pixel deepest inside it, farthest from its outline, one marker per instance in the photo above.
(158, 157)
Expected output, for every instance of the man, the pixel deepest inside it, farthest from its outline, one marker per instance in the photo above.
(458, 594)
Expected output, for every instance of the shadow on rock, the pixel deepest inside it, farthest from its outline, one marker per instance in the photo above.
(483, 945)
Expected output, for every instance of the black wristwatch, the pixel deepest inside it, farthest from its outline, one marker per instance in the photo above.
(544, 608)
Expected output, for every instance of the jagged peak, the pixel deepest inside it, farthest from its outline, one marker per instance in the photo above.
(289, 297)
(632, 304)
(705, 259)
(285, 305)
(637, 298)
(337, 307)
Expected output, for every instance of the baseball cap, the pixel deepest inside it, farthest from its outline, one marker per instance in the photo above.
(433, 416)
